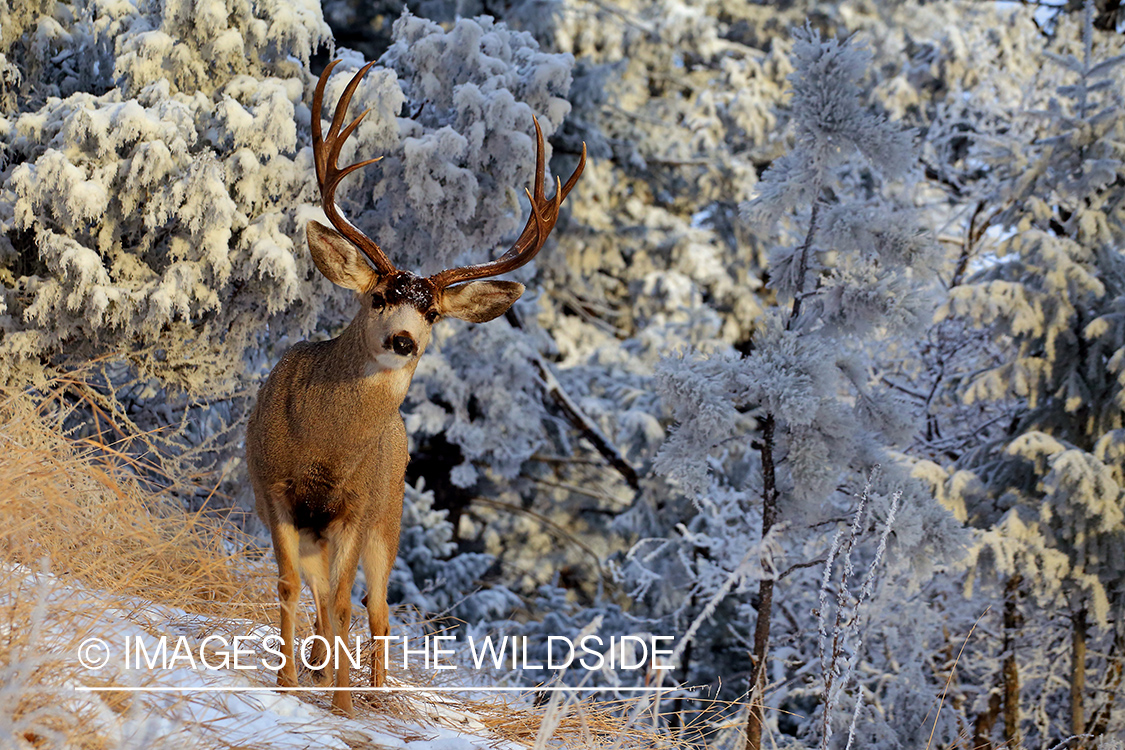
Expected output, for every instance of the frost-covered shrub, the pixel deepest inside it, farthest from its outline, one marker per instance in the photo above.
(448, 196)
(432, 577)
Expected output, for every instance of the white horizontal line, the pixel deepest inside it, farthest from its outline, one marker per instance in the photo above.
(201, 689)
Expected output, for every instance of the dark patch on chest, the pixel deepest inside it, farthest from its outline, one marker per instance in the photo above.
(317, 502)
(404, 288)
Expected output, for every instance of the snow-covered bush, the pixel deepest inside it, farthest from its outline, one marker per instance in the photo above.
(432, 577)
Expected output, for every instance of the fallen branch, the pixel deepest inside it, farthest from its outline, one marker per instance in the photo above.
(584, 424)
(577, 417)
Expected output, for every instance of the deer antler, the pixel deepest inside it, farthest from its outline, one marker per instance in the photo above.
(544, 214)
(326, 152)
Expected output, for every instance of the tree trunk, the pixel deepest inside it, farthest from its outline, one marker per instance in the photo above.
(1012, 623)
(756, 719)
(982, 728)
(1078, 672)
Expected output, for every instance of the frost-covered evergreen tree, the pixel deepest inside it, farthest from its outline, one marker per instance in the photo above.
(1047, 489)
(152, 167)
(803, 408)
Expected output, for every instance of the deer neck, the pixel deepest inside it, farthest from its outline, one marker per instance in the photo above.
(382, 390)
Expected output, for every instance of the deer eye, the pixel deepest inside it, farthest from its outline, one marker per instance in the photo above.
(431, 316)
(378, 302)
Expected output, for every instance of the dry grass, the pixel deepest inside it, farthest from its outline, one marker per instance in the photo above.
(71, 503)
(79, 510)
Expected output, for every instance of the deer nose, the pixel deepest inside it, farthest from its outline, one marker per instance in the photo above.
(402, 344)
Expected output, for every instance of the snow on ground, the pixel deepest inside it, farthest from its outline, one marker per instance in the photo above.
(184, 718)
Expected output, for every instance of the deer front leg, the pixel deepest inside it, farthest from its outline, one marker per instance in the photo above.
(345, 559)
(285, 549)
(378, 560)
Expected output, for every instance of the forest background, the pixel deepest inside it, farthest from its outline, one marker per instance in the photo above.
(821, 369)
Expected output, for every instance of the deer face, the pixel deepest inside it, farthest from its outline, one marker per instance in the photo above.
(399, 309)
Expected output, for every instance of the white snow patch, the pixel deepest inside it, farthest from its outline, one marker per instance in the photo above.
(208, 719)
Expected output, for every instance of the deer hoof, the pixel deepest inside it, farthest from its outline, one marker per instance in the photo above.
(342, 705)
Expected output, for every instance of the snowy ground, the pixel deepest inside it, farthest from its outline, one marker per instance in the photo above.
(230, 709)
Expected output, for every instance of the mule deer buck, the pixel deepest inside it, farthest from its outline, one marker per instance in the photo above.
(326, 446)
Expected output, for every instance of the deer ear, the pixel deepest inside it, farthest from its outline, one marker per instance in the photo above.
(338, 259)
(480, 301)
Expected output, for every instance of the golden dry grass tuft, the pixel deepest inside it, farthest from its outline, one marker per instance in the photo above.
(81, 535)
(70, 502)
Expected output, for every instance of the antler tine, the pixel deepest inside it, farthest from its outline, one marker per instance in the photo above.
(318, 140)
(326, 154)
(540, 159)
(570, 183)
(544, 214)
